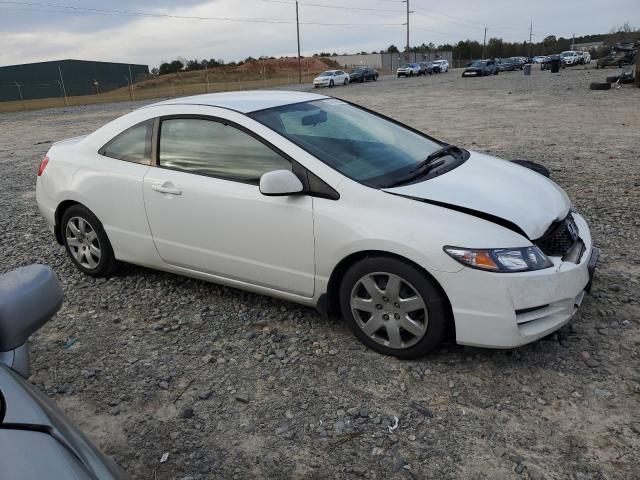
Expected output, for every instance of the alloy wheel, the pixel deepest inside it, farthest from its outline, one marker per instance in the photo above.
(389, 310)
(83, 242)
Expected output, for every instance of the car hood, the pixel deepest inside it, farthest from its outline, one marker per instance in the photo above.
(497, 190)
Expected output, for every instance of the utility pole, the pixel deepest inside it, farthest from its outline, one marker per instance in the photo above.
(484, 42)
(530, 37)
(298, 31)
(407, 24)
(64, 90)
(573, 41)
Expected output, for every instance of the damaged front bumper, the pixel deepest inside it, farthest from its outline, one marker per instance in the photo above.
(499, 310)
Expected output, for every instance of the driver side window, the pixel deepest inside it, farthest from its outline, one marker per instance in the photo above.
(212, 148)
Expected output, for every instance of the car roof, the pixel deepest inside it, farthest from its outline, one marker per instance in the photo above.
(244, 102)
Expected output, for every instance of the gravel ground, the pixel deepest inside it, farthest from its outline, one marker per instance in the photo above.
(236, 385)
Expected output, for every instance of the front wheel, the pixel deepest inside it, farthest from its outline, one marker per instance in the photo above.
(375, 79)
(346, 81)
(331, 84)
(86, 242)
(392, 307)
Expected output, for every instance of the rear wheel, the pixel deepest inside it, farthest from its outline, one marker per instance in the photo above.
(86, 242)
(392, 307)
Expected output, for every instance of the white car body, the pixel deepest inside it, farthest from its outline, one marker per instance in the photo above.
(336, 77)
(570, 57)
(409, 70)
(539, 59)
(289, 246)
(587, 57)
(444, 65)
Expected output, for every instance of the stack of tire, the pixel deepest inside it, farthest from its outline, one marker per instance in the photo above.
(625, 78)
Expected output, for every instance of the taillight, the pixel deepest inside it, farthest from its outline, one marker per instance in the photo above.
(43, 165)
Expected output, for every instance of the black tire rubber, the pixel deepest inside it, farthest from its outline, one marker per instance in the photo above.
(375, 79)
(108, 263)
(600, 86)
(331, 84)
(436, 305)
(536, 167)
(346, 82)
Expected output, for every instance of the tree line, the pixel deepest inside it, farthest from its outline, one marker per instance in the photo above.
(463, 50)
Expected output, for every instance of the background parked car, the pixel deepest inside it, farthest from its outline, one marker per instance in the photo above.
(507, 65)
(520, 62)
(331, 78)
(363, 74)
(481, 68)
(443, 64)
(546, 63)
(587, 57)
(408, 70)
(571, 58)
(538, 59)
(430, 67)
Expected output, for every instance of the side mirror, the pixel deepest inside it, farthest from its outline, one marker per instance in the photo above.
(29, 297)
(280, 183)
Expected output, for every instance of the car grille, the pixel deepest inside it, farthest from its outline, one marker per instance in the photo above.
(559, 238)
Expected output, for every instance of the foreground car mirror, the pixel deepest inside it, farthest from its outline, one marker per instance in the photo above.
(29, 297)
(280, 183)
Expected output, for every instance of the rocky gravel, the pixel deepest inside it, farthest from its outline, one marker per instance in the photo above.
(181, 379)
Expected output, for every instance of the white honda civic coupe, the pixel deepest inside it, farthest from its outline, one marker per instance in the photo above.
(318, 201)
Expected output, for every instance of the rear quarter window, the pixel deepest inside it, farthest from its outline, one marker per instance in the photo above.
(132, 145)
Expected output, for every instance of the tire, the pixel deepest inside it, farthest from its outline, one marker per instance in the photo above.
(331, 84)
(346, 82)
(428, 318)
(398, 75)
(600, 86)
(361, 79)
(536, 167)
(375, 79)
(93, 254)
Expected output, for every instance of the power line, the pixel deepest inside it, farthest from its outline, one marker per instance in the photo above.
(339, 7)
(472, 24)
(130, 13)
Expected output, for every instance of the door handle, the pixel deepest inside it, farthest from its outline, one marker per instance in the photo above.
(164, 188)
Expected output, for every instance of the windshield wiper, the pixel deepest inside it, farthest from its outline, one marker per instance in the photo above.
(441, 152)
(425, 166)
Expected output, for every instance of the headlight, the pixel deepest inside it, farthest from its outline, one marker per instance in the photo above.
(501, 259)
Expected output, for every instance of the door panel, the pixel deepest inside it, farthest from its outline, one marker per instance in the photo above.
(230, 229)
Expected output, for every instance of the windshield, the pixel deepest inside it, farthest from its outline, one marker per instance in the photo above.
(567, 54)
(328, 73)
(358, 70)
(362, 146)
(478, 63)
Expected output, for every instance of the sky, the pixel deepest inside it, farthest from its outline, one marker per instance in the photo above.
(153, 31)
